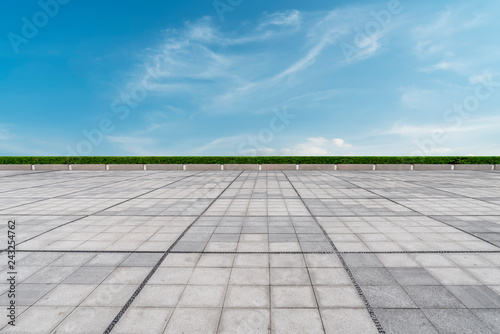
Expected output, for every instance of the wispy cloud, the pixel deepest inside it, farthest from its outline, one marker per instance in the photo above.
(318, 146)
(473, 125)
(439, 39)
(254, 70)
(286, 18)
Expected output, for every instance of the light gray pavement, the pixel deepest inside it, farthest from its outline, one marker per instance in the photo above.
(253, 251)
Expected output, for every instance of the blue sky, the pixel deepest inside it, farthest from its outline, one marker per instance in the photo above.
(231, 77)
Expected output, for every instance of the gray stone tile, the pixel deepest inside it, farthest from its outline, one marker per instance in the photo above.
(429, 296)
(143, 320)
(110, 295)
(453, 276)
(404, 321)
(247, 296)
(171, 276)
(287, 320)
(287, 261)
(210, 276)
(456, 321)
(254, 229)
(246, 320)
(28, 294)
(388, 297)
(289, 276)
(329, 276)
(159, 296)
(73, 259)
(180, 260)
(251, 260)
(127, 275)
(202, 296)
(197, 237)
(249, 276)
(216, 260)
(78, 320)
(193, 320)
(51, 275)
(373, 276)
(322, 261)
(476, 296)
(292, 297)
(283, 237)
(412, 276)
(44, 319)
(66, 295)
(225, 237)
(338, 296)
(89, 275)
(189, 246)
(342, 320)
(362, 260)
(141, 260)
(107, 260)
(316, 246)
(490, 318)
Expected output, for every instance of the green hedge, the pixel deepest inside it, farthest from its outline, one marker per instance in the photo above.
(250, 160)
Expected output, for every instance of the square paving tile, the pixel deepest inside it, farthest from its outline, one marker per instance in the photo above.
(255, 251)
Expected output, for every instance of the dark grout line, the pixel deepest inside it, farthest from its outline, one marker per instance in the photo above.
(373, 316)
(52, 229)
(443, 222)
(475, 236)
(157, 265)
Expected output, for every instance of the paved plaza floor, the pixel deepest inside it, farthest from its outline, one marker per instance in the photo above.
(252, 251)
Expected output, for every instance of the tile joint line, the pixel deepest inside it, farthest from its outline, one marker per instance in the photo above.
(157, 265)
(373, 316)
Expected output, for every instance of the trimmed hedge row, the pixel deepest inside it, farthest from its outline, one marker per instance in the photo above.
(250, 160)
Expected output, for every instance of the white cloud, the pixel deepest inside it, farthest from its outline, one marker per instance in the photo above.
(485, 76)
(421, 99)
(444, 65)
(318, 146)
(251, 70)
(469, 126)
(439, 39)
(223, 144)
(287, 18)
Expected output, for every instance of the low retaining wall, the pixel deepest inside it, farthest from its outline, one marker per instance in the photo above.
(474, 167)
(355, 167)
(164, 166)
(88, 167)
(279, 167)
(241, 167)
(318, 167)
(125, 167)
(253, 167)
(203, 167)
(50, 167)
(15, 167)
(393, 167)
(431, 167)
